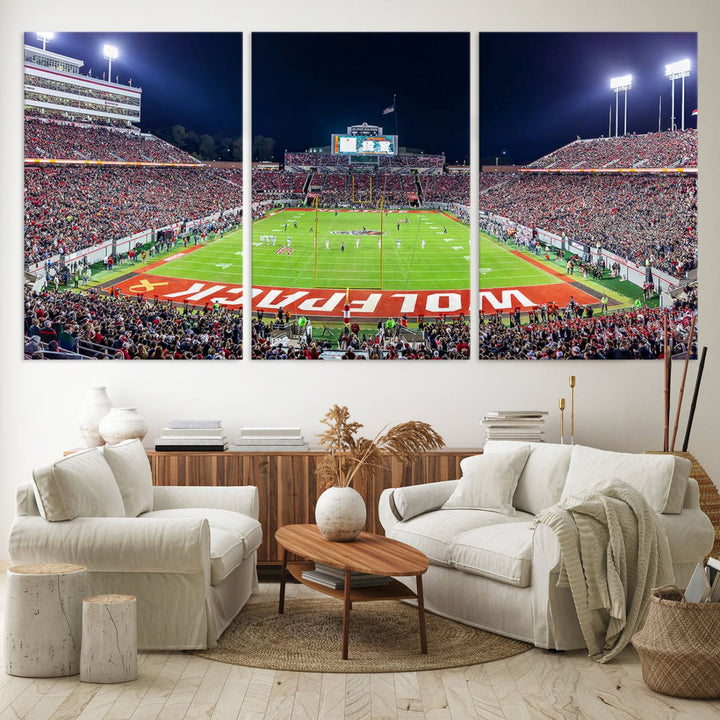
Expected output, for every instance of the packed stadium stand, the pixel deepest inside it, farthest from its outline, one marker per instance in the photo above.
(637, 217)
(653, 150)
(577, 333)
(75, 207)
(56, 139)
(94, 325)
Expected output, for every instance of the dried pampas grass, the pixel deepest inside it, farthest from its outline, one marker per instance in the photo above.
(351, 457)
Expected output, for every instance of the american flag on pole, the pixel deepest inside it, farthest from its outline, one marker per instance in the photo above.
(390, 108)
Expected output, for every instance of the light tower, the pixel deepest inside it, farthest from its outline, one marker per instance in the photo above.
(45, 36)
(618, 84)
(677, 71)
(111, 53)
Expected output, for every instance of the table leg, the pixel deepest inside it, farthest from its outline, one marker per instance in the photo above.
(421, 615)
(346, 615)
(283, 571)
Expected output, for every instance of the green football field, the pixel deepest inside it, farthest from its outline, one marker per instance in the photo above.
(501, 268)
(442, 264)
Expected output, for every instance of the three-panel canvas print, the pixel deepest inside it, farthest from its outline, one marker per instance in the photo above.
(363, 196)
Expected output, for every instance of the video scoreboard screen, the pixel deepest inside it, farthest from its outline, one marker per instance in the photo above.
(364, 145)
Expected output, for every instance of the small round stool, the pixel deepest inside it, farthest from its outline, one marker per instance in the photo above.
(109, 639)
(43, 619)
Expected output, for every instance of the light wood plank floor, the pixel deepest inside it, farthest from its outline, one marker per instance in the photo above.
(536, 685)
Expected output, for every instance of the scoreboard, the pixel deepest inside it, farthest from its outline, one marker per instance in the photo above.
(364, 144)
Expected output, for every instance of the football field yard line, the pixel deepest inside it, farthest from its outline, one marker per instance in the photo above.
(409, 267)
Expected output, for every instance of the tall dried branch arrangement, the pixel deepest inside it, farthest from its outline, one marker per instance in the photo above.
(351, 457)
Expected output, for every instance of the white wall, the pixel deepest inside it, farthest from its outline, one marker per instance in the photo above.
(618, 404)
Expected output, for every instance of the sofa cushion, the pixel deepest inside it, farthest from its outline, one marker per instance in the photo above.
(488, 482)
(434, 533)
(79, 485)
(660, 479)
(501, 552)
(542, 480)
(243, 528)
(227, 551)
(131, 468)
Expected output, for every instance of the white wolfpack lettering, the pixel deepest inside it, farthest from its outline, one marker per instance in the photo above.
(196, 292)
(368, 305)
(409, 301)
(505, 302)
(453, 302)
(268, 302)
(328, 304)
(228, 303)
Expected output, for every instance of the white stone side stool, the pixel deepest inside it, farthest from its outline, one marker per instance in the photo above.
(109, 639)
(43, 619)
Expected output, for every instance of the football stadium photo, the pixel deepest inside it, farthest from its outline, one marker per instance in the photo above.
(133, 196)
(588, 195)
(361, 192)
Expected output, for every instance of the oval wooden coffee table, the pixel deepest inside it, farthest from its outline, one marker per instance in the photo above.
(368, 553)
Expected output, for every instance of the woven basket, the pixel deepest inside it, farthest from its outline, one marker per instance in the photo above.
(680, 646)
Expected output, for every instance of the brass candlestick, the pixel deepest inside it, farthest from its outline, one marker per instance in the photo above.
(561, 405)
(572, 409)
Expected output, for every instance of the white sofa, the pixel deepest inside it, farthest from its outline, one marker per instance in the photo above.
(187, 553)
(495, 571)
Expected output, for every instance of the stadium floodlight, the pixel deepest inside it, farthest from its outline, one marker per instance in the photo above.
(111, 53)
(618, 85)
(45, 36)
(677, 71)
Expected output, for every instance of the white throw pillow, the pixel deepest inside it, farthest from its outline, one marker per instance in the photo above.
(542, 480)
(79, 485)
(489, 481)
(130, 466)
(660, 479)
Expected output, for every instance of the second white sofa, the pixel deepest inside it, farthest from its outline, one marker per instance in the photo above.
(492, 569)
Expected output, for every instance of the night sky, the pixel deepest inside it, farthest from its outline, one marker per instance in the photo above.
(538, 91)
(190, 79)
(307, 86)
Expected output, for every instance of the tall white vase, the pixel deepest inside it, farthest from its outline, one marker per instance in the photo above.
(122, 424)
(96, 404)
(340, 513)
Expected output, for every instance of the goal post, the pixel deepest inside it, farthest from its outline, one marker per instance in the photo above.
(362, 197)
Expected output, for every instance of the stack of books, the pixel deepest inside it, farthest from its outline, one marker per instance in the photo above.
(332, 577)
(192, 435)
(519, 425)
(259, 439)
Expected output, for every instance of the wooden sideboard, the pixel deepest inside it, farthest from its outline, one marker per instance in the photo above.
(286, 482)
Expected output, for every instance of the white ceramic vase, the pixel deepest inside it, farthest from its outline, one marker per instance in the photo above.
(340, 513)
(96, 404)
(122, 424)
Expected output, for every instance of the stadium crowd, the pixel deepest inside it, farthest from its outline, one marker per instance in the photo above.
(652, 150)
(637, 217)
(74, 141)
(69, 208)
(449, 187)
(577, 333)
(438, 339)
(404, 161)
(127, 328)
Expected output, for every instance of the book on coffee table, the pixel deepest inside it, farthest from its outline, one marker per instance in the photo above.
(332, 577)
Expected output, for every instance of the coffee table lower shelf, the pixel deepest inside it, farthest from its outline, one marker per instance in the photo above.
(394, 590)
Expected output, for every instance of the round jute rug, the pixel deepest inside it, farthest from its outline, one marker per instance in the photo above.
(384, 637)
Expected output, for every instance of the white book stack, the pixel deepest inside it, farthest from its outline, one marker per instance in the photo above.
(192, 435)
(518, 425)
(263, 439)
